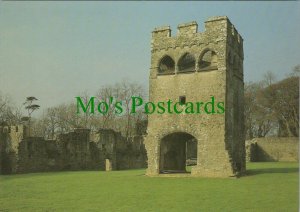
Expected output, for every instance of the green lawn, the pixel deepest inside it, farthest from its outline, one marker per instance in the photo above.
(268, 187)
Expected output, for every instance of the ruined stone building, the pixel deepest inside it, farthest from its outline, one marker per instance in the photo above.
(194, 66)
(189, 67)
(78, 150)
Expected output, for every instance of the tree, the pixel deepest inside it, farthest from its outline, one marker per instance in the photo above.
(129, 89)
(30, 107)
(64, 118)
(284, 99)
(272, 107)
(269, 78)
(9, 114)
(122, 91)
(259, 119)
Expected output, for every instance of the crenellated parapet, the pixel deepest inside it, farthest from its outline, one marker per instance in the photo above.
(220, 47)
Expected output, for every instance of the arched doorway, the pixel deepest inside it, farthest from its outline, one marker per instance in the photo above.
(177, 151)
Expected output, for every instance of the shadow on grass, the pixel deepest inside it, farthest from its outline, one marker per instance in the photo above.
(271, 170)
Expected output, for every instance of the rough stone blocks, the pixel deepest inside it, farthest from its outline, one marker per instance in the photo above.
(197, 66)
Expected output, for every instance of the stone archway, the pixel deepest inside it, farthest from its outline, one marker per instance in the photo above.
(175, 148)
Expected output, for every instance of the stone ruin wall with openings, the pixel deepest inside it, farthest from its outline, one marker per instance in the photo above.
(78, 150)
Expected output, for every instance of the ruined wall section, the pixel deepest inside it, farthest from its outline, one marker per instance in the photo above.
(37, 155)
(10, 137)
(78, 150)
(124, 153)
(131, 154)
(273, 149)
(74, 150)
(5, 159)
(105, 141)
(70, 151)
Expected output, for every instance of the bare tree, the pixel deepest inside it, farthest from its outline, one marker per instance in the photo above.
(285, 102)
(9, 114)
(258, 116)
(110, 94)
(122, 91)
(269, 78)
(64, 118)
(128, 90)
(272, 106)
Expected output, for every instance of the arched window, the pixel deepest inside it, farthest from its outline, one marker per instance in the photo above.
(186, 63)
(208, 60)
(166, 65)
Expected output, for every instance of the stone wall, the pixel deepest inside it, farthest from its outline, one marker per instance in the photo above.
(133, 155)
(213, 67)
(78, 150)
(273, 149)
(10, 137)
(124, 153)
(37, 155)
(74, 150)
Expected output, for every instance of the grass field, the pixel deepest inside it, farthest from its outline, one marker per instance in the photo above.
(267, 187)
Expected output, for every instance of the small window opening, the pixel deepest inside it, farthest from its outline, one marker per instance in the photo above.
(182, 100)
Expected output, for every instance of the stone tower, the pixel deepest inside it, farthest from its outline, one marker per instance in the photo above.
(192, 67)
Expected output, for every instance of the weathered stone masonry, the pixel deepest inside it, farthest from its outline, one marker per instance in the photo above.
(197, 65)
(272, 149)
(78, 150)
(10, 138)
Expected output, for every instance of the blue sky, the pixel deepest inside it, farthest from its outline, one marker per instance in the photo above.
(56, 50)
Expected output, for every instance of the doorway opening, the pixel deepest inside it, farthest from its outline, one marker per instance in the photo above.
(178, 153)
